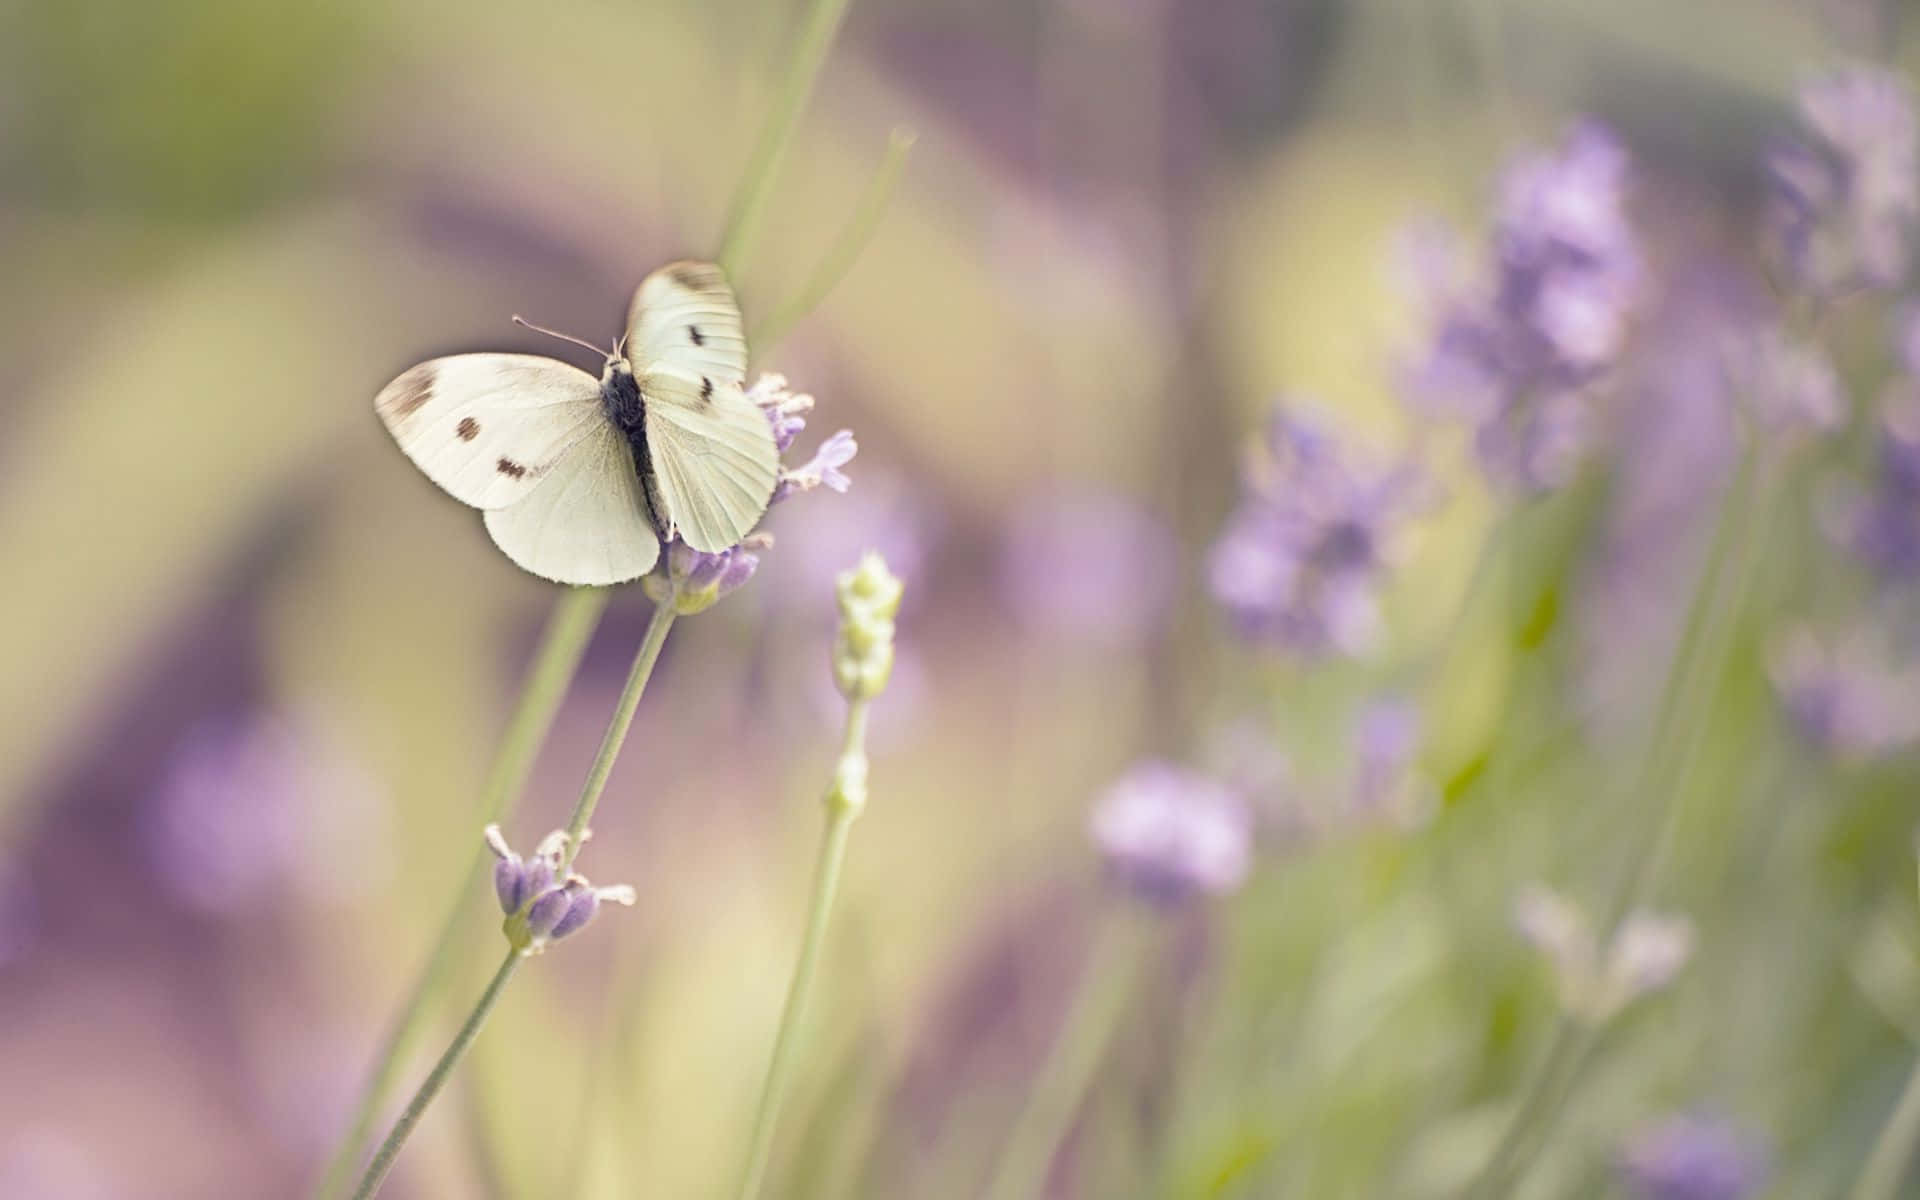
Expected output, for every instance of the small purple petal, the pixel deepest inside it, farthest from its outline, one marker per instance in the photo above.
(586, 902)
(510, 884)
(548, 910)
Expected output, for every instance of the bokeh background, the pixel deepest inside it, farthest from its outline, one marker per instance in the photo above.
(253, 666)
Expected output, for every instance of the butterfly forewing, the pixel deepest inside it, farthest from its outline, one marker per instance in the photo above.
(685, 316)
(489, 427)
(713, 457)
(586, 523)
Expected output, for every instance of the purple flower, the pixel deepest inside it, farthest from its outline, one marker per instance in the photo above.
(1301, 558)
(1882, 524)
(694, 580)
(538, 909)
(1385, 786)
(823, 469)
(1515, 347)
(1844, 197)
(1848, 699)
(1088, 568)
(255, 806)
(1170, 834)
(1788, 386)
(1692, 1157)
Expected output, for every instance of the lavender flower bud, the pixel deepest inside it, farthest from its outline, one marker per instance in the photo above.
(869, 597)
(822, 470)
(537, 911)
(1170, 834)
(1644, 956)
(695, 581)
(1692, 1158)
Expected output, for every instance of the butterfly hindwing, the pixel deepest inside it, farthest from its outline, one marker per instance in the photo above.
(489, 427)
(586, 522)
(713, 456)
(684, 315)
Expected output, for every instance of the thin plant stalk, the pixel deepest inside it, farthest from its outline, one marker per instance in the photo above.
(596, 782)
(822, 24)
(1893, 1150)
(1699, 661)
(1070, 1065)
(842, 810)
(575, 615)
(617, 727)
(846, 248)
(436, 1079)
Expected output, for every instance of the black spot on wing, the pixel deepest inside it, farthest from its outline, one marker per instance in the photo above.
(510, 468)
(706, 390)
(693, 332)
(468, 429)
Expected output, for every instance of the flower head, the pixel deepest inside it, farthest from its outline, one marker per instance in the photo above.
(869, 596)
(1847, 697)
(1692, 1157)
(1092, 569)
(1594, 984)
(695, 580)
(1844, 194)
(539, 907)
(1300, 562)
(1169, 833)
(1515, 347)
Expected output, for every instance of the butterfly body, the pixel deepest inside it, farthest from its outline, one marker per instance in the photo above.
(581, 480)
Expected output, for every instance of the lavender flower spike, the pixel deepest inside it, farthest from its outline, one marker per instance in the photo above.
(1170, 834)
(1692, 1158)
(538, 911)
(1645, 954)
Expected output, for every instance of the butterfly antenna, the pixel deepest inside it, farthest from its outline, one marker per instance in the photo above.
(557, 334)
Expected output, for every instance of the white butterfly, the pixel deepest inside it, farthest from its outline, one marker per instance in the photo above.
(581, 480)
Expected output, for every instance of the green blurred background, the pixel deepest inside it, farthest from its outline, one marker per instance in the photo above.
(1127, 225)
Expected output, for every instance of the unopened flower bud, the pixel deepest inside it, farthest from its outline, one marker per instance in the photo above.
(539, 911)
(869, 597)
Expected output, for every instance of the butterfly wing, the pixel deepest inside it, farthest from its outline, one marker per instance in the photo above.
(714, 460)
(684, 316)
(489, 427)
(586, 521)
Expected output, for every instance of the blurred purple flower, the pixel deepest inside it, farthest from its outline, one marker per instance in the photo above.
(884, 513)
(1385, 785)
(1300, 562)
(255, 806)
(1847, 699)
(822, 470)
(1845, 195)
(1788, 386)
(1088, 568)
(1596, 983)
(1514, 348)
(1169, 833)
(1692, 1157)
(1881, 525)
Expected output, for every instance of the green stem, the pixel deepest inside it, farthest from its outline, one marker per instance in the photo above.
(803, 69)
(575, 614)
(1893, 1151)
(1069, 1067)
(617, 727)
(846, 248)
(1699, 661)
(845, 799)
(389, 1150)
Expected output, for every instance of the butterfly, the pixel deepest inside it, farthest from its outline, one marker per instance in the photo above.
(581, 480)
